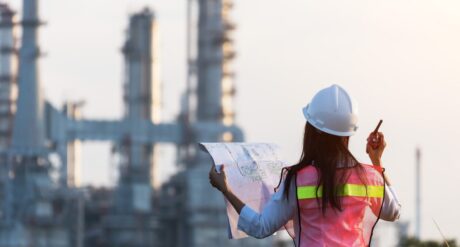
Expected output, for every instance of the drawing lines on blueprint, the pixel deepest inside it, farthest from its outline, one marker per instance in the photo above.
(247, 167)
(266, 158)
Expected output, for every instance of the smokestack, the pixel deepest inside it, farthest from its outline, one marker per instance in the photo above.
(29, 129)
(418, 190)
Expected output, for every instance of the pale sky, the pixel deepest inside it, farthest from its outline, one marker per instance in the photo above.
(398, 58)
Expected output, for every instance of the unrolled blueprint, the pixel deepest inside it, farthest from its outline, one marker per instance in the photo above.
(253, 171)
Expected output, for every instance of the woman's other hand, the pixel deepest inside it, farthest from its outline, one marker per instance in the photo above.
(218, 180)
(375, 146)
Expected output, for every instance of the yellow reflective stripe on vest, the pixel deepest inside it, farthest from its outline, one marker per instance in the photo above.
(309, 192)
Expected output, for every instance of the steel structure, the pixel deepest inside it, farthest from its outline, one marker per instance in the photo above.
(185, 211)
(132, 221)
(36, 212)
(70, 173)
(8, 73)
(193, 213)
(133, 218)
(29, 123)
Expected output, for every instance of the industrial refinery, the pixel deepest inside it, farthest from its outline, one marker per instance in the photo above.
(40, 210)
(42, 200)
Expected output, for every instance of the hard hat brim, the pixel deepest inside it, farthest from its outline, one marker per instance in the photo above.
(329, 131)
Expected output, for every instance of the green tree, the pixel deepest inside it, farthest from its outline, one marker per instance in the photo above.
(414, 242)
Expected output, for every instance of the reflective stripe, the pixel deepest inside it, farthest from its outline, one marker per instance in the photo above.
(309, 192)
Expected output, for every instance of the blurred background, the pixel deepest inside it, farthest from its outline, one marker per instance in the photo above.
(102, 102)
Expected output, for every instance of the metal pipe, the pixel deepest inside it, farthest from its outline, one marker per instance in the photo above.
(418, 193)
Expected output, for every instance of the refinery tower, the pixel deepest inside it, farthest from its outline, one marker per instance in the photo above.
(38, 209)
(35, 212)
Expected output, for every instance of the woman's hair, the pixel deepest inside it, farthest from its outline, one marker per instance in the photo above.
(329, 154)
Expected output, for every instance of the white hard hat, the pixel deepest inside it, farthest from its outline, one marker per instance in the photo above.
(332, 110)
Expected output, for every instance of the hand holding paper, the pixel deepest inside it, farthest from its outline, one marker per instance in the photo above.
(252, 171)
(218, 179)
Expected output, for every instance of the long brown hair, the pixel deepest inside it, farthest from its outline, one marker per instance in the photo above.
(326, 153)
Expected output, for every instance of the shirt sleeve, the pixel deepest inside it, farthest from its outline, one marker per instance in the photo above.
(391, 207)
(276, 213)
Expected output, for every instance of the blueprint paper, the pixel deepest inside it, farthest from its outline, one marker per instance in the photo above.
(253, 171)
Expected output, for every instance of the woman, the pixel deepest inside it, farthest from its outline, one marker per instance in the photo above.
(328, 198)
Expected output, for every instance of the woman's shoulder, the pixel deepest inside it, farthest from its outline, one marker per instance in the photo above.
(372, 168)
(374, 174)
(308, 175)
(309, 170)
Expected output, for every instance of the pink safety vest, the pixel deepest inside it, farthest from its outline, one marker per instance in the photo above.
(353, 226)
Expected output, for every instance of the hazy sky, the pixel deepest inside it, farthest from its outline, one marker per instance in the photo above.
(399, 58)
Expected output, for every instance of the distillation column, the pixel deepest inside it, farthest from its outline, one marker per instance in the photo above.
(33, 192)
(215, 53)
(133, 224)
(8, 95)
(206, 220)
(29, 124)
(8, 73)
(142, 102)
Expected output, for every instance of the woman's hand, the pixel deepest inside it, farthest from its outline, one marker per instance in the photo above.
(375, 146)
(218, 180)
